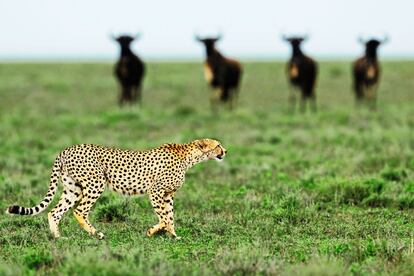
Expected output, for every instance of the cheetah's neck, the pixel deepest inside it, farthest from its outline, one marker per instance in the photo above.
(194, 156)
(189, 153)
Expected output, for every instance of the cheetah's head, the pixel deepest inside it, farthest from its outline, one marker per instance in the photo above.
(212, 149)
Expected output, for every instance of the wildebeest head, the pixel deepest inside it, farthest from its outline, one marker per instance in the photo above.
(208, 42)
(371, 45)
(295, 41)
(125, 40)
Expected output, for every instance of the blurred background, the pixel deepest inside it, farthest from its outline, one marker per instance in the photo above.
(48, 29)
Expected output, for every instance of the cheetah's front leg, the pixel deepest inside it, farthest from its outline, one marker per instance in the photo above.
(169, 204)
(157, 202)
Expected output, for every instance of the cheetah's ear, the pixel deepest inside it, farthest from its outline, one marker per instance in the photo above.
(202, 144)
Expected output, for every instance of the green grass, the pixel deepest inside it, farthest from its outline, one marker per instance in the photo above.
(330, 193)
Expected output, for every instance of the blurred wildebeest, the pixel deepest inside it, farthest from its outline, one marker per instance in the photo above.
(129, 71)
(302, 72)
(223, 74)
(366, 72)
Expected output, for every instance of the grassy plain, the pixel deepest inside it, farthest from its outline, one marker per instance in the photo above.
(330, 193)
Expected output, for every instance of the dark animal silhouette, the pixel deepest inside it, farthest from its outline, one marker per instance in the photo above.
(129, 71)
(302, 72)
(366, 73)
(223, 74)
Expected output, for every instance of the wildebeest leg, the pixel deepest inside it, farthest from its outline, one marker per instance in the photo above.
(121, 97)
(233, 98)
(125, 96)
(359, 94)
(313, 102)
(371, 96)
(130, 94)
(226, 97)
(303, 100)
(292, 98)
(135, 94)
(215, 98)
(139, 94)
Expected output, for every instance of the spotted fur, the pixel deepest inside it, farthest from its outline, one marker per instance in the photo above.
(85, 171)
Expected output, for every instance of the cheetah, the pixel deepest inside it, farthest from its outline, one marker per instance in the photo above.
(85, 170)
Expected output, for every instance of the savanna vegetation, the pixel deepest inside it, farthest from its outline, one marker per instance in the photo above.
(330, 193)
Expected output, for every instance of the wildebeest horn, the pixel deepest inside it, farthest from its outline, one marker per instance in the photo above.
(197, 37)
(385, 39)
(112, 36)
(361, 40)
(284, 37)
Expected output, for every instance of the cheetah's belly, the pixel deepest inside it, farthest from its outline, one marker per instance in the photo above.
(129, 182)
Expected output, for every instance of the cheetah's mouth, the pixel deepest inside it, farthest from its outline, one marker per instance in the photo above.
(221, 154)
(219, 157)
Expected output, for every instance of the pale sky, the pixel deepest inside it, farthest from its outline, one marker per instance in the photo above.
(79, 29)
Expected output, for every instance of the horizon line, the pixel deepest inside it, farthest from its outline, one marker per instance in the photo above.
(186, 58)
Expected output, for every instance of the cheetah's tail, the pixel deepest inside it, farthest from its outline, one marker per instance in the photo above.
(54, 178)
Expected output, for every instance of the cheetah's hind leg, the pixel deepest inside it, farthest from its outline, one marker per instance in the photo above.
(90, 195)
(70, 196)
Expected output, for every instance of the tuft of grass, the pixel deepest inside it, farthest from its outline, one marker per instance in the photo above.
(113, 212)
(36, 259)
